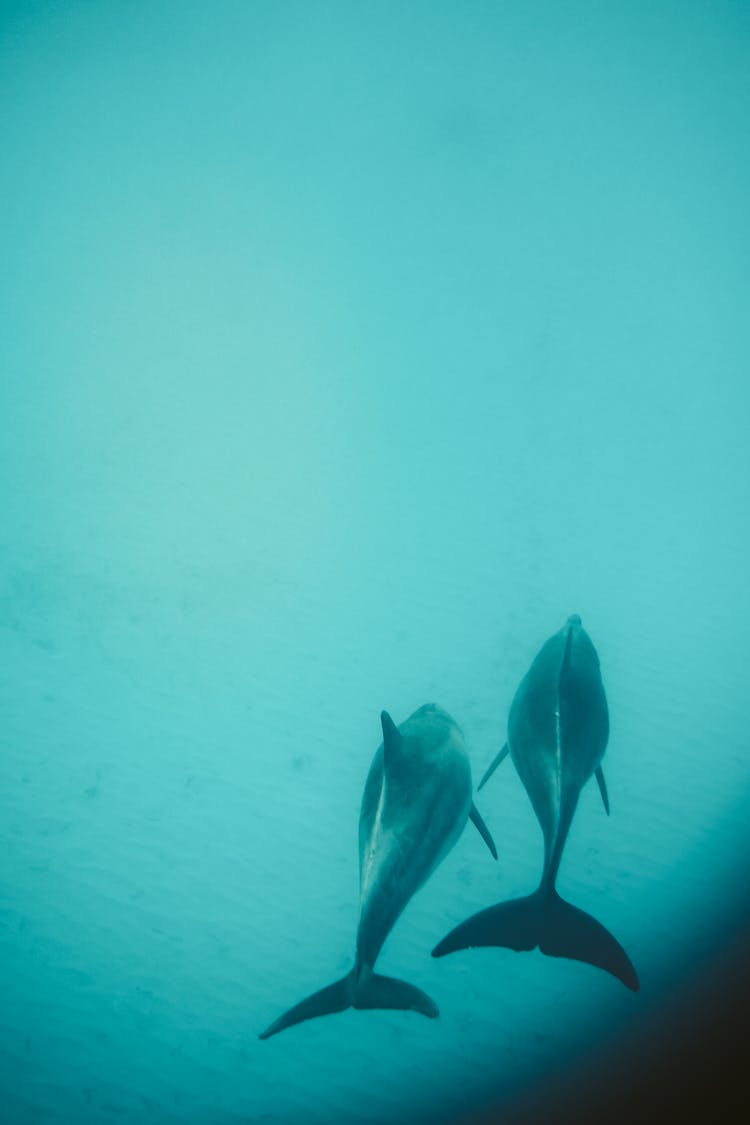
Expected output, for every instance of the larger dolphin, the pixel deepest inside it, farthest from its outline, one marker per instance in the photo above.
(557, 733)
(416, 802)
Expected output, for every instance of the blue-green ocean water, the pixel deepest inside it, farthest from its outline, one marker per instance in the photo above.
(345, 350)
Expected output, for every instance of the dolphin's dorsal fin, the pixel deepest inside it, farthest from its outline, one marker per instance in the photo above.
(493, 765)
(392, 742)
(599, 775)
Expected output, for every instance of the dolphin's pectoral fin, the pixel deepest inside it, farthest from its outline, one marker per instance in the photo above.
(570, 932)
(334, 998)
(513, 925)
(495, 763)
(599, 775)
(483, 830)
(377, 991)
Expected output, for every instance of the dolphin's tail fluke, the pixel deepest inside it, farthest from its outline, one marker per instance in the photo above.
(365, 990)
(377, 991)
(547, 921)
(336, 997)
(513, 924)
(570, 932)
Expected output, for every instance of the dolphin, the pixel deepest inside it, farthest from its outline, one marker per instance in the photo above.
(416, 802)
(557, 733)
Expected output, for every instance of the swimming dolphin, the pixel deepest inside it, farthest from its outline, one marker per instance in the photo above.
(416, 802)
(557, 733)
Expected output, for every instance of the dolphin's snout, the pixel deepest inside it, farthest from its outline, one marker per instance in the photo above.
(574, 619)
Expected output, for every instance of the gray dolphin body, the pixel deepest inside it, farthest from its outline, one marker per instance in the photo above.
(558, 729)
(416, 802)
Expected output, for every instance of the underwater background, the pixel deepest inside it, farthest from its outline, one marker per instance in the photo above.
(346, 350)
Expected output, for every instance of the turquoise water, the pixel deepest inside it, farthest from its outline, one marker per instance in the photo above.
(345, 351)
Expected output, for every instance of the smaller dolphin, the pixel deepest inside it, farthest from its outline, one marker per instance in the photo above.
(557, 733)
(416, 802)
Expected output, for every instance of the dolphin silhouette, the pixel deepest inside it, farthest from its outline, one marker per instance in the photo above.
(415, 805)
(557, 733)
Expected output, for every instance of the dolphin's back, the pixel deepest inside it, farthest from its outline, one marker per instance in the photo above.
(559, 725)
(584, 716)
(416, 802)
